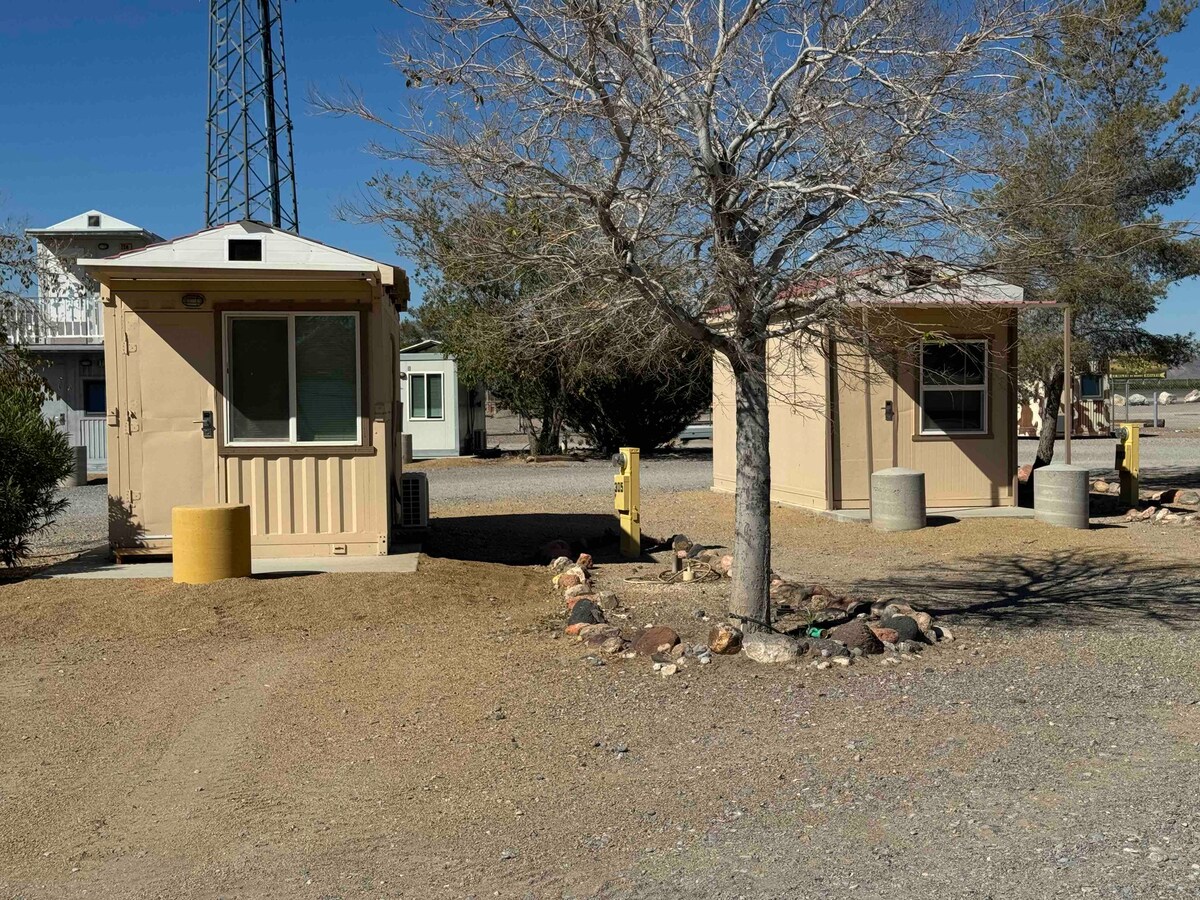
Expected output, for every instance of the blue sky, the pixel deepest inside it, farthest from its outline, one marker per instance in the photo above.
(104, 108)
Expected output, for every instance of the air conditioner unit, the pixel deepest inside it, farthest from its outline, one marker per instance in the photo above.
(413, 505)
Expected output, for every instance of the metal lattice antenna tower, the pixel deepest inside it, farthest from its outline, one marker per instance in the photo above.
(249, 168)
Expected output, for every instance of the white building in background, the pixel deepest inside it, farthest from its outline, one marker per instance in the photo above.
(63, 324)
(443, 414)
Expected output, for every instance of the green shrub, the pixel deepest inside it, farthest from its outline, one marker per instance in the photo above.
(34, 458)
(645, 409)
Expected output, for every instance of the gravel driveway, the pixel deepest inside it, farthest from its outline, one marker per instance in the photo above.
(1169, 458)
(508, 480)
(81, 526)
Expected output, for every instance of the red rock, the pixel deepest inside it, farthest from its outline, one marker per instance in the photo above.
(568, 580)
(857, 634)
(584, 561)
(1024, 472)
(654, 639)
(887, 635)
(576, 627)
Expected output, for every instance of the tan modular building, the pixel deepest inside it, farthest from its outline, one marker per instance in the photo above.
(246, 364)
(934, 391)
(1091, 406)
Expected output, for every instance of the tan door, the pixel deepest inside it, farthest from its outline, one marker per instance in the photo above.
(862, 424)
(168, 378)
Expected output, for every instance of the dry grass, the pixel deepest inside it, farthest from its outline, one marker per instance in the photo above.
(338, 736)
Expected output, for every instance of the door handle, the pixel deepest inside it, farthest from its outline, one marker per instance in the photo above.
(889, 411)
(207, 426)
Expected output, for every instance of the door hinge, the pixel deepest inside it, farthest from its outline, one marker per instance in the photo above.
(131, 422)
(114, 418)
(134, 497)
(130, 347)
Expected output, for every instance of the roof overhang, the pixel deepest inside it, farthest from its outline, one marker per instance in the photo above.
(44, 233)
(932, 303)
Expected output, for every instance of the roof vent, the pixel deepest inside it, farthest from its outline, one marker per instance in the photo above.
(243, 250)
(93, 221)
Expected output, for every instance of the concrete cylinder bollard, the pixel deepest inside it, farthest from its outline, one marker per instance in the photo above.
(78, 475)
(898, 500)
(209, 543)
(1060, 495)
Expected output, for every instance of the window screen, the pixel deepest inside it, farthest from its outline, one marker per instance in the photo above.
(953, 387)
(326, 379)
(259, 402)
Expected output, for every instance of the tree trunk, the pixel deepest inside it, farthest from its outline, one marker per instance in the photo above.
(548, 440)
(1045, 451)
(752, 503)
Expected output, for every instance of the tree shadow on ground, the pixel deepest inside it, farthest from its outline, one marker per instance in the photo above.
(515, 539)
(1067, 588)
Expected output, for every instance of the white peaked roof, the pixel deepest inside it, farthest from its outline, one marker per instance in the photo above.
(79, 225)
(210, 251)
(421, 346)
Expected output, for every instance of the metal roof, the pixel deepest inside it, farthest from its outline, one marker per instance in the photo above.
(79, 225)
(282, 251)
(421, 346)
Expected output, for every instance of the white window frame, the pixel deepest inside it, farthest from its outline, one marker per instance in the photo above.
(425, 373)
(290, 316)
(957, 388)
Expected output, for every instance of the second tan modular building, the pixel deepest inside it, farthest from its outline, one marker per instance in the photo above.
(249, 365)
(933, 390)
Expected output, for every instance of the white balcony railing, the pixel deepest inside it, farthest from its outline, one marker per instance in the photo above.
(75, 319)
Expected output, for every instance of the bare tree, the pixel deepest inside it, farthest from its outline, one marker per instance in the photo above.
(746, 168)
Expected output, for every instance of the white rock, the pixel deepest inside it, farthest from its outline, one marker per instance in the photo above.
(1165, 398)
(1192, 397)
(769, 647)
(1137, 400)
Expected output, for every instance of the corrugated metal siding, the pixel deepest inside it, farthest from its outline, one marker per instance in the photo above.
(302, 495)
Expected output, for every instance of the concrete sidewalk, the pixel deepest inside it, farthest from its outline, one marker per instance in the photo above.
(99, 564)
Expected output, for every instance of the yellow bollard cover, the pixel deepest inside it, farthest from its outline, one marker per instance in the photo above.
(209, 543)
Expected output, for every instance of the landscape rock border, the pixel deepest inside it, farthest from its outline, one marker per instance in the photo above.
(810, 620)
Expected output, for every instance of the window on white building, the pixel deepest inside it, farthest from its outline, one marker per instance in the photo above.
(425, 400)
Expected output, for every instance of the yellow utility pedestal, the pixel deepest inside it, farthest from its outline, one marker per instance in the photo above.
(627, 499)
(1128, 436)
(209, 543)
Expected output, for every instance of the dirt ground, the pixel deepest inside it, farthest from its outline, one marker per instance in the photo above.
(433, 735)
